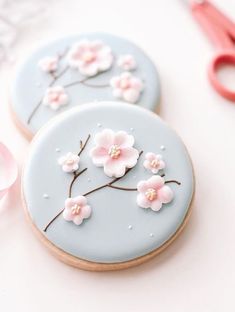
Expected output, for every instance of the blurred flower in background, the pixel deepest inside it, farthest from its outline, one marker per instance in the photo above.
(15, 17)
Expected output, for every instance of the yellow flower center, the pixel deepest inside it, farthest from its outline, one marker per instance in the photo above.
(124, 83)
(114, 151)
(88, 56)
(151, 194)
(154, 163)
(69, 161)
(76, 209)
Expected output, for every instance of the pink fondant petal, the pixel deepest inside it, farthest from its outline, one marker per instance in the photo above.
(131, 95)
(114, 82)
(99, 155)
(165, 194)
(77, 220)
(114, 168)
(89, 69)
(80, 200)
(156, 205)
(142, 201)
(67, 168)
(155, 182)
(147, 165)
(136, 84)
(67, 215)
(150, 156)
(161, 164)
(86, 211)
(122, 139)
(105, 138)
(69, 202)
(142, 186)
(129, 156)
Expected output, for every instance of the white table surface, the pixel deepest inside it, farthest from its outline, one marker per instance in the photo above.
(196, 273)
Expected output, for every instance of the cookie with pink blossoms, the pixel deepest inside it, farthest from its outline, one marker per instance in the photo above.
(107, 186)
(79, 69)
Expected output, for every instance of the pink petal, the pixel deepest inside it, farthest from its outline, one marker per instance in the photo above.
(131, 95)
(122, 139)
(142, 201)
(69, 202)
(77, 220)
(114, 82)
(161, 164)
(67, 215)
(136, 84)
(147, 165)
(67, 168)
(80, 200)
(142, 186)
(150, 156)
(99, 155)
(129, 156)
(155, 182)
(86, 211)
(105, 138)
(156, 205)
(89, 69)
(165, 194)
(114, 168)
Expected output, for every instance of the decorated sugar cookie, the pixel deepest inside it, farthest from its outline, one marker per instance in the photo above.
(107, 186)
(79, 69)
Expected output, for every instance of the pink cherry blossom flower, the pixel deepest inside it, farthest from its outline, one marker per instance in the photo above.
(90, 57)
(55, 97)
(48, 64)
(127, 87)
(69, 162)
(153, 193)
(126, 62)
(76, 209)
(154, 162)
(114, 151)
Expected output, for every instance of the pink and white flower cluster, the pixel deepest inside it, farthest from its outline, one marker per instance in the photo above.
(127, 62)
(90, 57)
(153, 193)
(115, 152)
(127, 87)
(69, 162)
(55, 97)
(49, 64)
(154, 162)
(76, 209)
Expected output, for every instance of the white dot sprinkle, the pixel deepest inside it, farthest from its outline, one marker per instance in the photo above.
(57, 150)
(130, 227)
(89, 180)
(151, 234)
(46, 196)
(132, 129)
(99, 125)
(162, 147)
(134, 177)
(38, 84)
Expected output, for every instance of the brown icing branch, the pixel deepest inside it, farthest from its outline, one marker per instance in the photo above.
(76, 175)
(173, 181)
(56, 77)
(109, 184)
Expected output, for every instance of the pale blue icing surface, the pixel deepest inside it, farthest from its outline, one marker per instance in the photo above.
(30, 82)
(118, 230)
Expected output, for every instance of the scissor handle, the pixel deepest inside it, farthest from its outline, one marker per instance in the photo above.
(221, 59)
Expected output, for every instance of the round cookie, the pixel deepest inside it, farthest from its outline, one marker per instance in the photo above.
(80, 69)
(107, 186)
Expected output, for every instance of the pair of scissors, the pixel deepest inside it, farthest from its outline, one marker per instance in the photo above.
(221, 31)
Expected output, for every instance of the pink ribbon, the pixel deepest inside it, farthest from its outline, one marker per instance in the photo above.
(10, 172)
